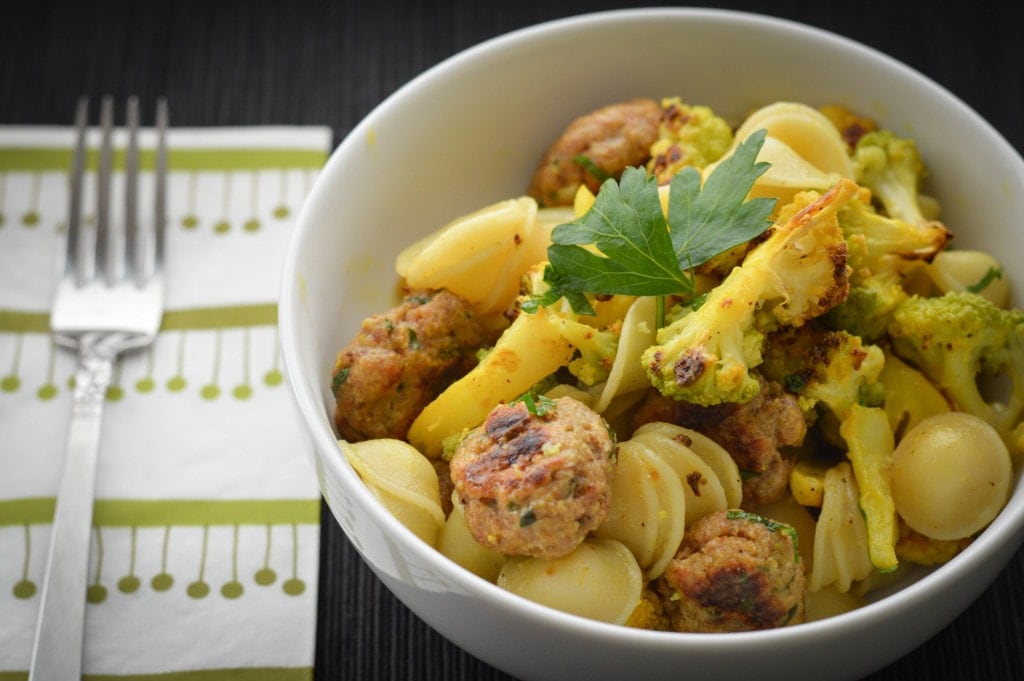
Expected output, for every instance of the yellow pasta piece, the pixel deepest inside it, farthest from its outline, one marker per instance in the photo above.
(583, 200)
(804, 148)
(710, 452)
(403, 480)
(788, 174)
(648, 508)
(457, 542)
(804, 129)
(600, 580)
(957, 270)
(702, 488)
(807, 483)
(870, 446)
(481, 256)
(840, 538)
(951, 475)
(627, 373)
(533, 347)
(909, 396)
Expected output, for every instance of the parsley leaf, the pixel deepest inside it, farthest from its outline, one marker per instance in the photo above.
(624, 245)
(711, 220)
(536, 405)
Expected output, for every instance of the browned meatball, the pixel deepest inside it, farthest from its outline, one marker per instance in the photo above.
(595, 147)
(734, 572)
(752, 432)
(401, 360)
(534, 484)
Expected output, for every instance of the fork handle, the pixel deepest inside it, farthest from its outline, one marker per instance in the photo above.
(59, 636)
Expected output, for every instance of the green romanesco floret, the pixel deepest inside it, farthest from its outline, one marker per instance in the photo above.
(687, 136)
(868, 307)
(595, 350)
(959, 340)
(798, 272)
(883, 251)
(595, 346)
(892, 168)
(831, 369)
(881, 243)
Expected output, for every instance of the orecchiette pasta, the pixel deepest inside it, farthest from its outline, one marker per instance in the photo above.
(841, 538)
(480, 256)
(648, 509)
(599, 580)
(805, 130)
(457, 542)
(726, 472)
(627, 373)
(956, 270)
(404, 481)
(803, 147)
(667, 476)
(950, 475)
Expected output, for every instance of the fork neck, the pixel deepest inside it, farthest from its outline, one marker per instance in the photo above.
(96, 354)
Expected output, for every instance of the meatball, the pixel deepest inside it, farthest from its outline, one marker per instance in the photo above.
(752, 432)
(534, 482)
(594, 147)
(734, 571)
(400, 360)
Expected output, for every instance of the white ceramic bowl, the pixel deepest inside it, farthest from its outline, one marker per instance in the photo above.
(468, 132)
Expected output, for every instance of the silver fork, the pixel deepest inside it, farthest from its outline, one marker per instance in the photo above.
(109, 300)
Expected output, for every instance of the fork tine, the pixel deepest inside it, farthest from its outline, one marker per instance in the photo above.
(133, 240)
(75, 250)
(160, 202)
(106, 236)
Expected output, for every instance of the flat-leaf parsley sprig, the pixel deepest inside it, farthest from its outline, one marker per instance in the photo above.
(640, 252)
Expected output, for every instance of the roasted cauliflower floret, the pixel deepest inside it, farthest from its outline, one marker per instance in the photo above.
(892, 168)
(797, 273)
(687, 136)
(834, 369)
(957, 339)
(882, 243)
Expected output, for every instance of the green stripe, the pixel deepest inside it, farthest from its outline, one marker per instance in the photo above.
(227, 316)
(237, 674)
(223, 317)
(164, 512)
(16, 321)
(27, 511)
(159, 513)
(37, 159)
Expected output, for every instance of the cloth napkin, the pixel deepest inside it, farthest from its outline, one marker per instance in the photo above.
(205, 534)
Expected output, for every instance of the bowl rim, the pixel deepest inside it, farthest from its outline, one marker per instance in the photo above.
(1006, 529)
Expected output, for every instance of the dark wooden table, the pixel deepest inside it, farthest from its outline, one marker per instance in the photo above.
(294, 62)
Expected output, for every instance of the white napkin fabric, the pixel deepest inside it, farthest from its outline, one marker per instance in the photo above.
(206, 526)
